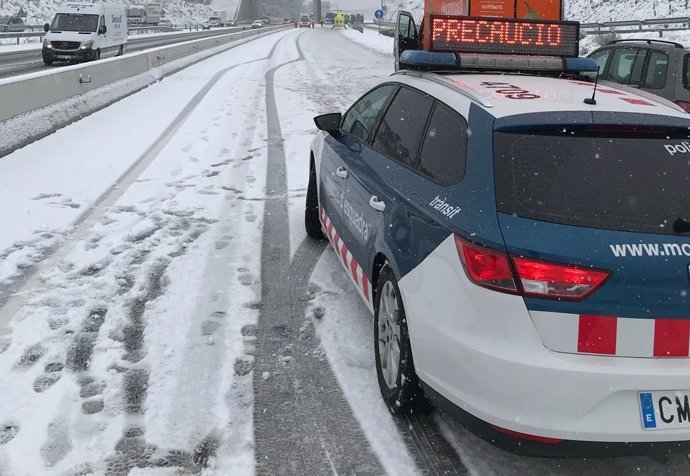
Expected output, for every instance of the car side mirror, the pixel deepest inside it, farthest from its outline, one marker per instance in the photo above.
(102, 30)
(46, 27)
(328, 122)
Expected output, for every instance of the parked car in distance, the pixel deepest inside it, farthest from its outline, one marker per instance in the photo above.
(257, 24)
(11, 24)
(656, 66)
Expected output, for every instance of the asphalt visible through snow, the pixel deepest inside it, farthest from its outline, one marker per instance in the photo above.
(303, 424)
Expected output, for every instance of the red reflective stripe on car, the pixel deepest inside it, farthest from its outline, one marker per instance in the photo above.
(348, 260)
(671, 337)
(365, 285)
(343, 253)
(353, 266)
(597, 334)
(639, 102)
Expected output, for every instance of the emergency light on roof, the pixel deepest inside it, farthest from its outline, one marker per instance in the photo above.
(504, 36)
(446, 61)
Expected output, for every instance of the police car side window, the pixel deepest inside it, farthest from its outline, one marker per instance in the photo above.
(402, 127)
(443, 154)
(360, 120)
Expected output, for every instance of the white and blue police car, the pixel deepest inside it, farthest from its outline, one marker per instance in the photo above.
(522, 238)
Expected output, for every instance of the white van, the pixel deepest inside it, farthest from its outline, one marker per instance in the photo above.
(85, 31)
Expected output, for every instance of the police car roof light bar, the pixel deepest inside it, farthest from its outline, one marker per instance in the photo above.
(457, 62)
(428, 60)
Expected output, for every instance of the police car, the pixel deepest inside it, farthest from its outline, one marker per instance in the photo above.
(521, 235)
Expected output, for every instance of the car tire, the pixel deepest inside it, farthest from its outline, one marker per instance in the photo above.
(97, 55)
(121, 51)
(47, 62)
(312, 224)
(398, 381)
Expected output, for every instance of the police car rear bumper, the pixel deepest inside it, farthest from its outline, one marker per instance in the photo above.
(480, 350)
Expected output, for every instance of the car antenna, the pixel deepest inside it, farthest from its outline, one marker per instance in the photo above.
(591, 101)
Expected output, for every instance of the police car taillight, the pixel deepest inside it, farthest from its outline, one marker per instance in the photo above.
(559, 281)
(486, 267)
(528, 277)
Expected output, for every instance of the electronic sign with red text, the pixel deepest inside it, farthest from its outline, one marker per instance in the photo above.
(504, 36)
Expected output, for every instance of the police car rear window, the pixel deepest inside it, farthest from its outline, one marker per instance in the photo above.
(627, 181)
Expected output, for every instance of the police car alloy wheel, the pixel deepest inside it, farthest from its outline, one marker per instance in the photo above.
(398, 381)
(311, 209)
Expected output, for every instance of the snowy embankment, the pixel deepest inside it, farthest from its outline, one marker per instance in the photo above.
(131, 341)
(128, 336)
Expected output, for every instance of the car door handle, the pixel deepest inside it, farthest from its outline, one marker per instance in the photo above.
(341, 172)
(376, 204)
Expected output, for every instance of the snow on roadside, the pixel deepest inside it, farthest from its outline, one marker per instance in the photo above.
(139, 349)
(136, 349)
(25, 127)
(338, 311)
(372, 40)
(332, 76)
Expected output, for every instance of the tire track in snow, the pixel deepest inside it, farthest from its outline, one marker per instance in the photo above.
(131, 450)
(303, 424)
(420, 433)
(11, 303)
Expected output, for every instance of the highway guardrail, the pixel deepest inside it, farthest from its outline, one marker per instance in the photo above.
(25, 95)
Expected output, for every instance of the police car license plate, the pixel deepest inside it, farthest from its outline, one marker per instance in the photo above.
(665, 410)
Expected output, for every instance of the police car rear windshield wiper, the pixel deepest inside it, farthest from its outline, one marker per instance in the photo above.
(681, 225)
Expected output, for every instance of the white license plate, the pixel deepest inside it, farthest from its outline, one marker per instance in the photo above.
(665, 410)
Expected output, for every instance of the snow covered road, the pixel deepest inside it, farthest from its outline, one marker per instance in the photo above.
(161, 311)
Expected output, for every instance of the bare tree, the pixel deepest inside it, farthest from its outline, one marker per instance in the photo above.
(605, 38)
